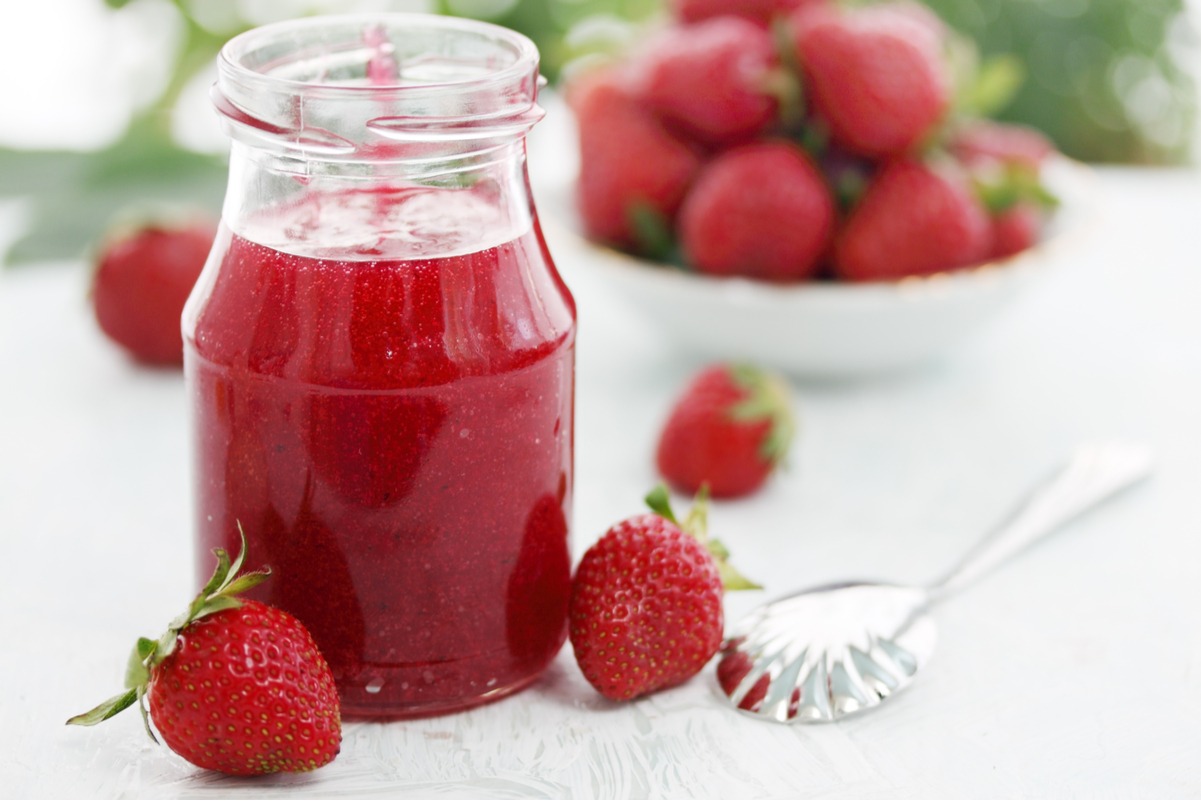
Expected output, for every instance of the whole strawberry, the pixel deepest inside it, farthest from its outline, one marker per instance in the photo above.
(760, 211)
(234, 685)
(1005, 164)
(646, 602)
(142, 278)
(760, 11)
(633, 172)
(914, 219)
(731, 427)
(710, 80)
(874, 74)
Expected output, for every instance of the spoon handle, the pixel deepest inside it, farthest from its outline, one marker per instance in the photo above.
(1095, 472)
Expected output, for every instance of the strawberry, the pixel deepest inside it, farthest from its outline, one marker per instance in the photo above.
(646, 601)
(913, 219)
(874, 74)
(633, 172)
(760, 11)
(1005, 162)
(730, 428)
(234, 685)
(761, 211)
(142, 279)
(711, 80)
(1015, 229)
(986, 140)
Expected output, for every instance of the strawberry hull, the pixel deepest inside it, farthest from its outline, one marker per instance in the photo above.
(394, 435)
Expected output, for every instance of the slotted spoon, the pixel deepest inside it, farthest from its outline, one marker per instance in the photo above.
(824, 653)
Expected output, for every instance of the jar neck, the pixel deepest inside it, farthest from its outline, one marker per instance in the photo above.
(368, 211)
(377, 134)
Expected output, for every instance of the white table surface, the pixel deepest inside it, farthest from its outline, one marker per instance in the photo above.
(1075, 671)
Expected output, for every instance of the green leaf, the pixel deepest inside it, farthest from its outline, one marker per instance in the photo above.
(659, 502)
(651, 231)
(697, 521)
(243, 583)
(218, 603)
(733, 580)
(74, 196)
(236, 566)
(145, 715)
(768, 398)
(1017, 183)
(112, 706)
(220, 573)
(993, 87)
(136, 672)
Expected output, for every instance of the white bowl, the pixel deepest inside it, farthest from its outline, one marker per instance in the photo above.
(824, 329)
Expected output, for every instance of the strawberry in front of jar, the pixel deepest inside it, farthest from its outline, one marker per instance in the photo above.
(730, 428)
(646, 601)
(234, 685)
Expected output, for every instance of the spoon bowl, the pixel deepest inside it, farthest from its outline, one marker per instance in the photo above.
(821, 654)
(865, 642)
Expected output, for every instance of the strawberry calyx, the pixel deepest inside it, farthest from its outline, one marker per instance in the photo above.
(696, 525)
(219, 594)
(768, 398)
(1003, 186)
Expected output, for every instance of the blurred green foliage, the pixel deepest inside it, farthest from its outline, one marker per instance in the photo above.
(1103, 78)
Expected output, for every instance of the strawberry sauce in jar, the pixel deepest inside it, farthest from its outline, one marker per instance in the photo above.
(380, 357)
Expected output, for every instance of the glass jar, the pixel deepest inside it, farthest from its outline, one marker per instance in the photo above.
(380, 354)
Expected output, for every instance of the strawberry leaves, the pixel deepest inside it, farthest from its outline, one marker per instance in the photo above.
(768, 398)
(218, 594)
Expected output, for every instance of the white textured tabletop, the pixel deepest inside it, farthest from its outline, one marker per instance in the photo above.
(1074, 671)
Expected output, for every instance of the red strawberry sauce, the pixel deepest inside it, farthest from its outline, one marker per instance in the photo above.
(393, 430)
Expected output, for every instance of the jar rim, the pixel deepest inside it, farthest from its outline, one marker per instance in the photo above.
(339, 86)
(235, 52)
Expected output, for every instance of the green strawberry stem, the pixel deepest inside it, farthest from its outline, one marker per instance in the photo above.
(218, 594)
(768, 398)
(696, 525)
(1013, 184)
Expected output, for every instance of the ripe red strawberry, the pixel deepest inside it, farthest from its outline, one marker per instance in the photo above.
(234, 685)
(633, 172)
(141, 281)
(875, 75)
(761, 11)
(762, 211)
(729, 429)
(1015, 229)
(1005, 163)
(646, 602)
(913, 220)
(710, 80)
(986, 140)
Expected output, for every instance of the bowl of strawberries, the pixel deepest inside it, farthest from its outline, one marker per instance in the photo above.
(811, 185)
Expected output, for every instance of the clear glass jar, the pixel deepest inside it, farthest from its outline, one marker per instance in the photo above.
(380, 357)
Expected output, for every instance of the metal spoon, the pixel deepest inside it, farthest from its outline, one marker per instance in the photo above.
(821, 654)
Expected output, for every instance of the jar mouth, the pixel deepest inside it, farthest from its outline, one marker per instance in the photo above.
(335, 83)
